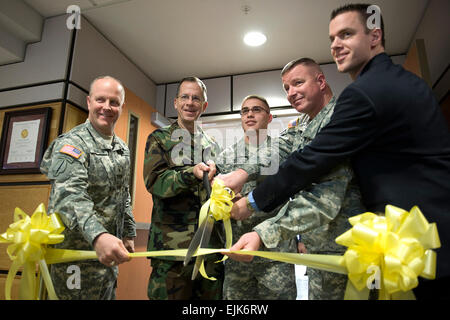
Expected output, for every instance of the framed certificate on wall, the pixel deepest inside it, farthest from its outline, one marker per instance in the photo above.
(24, 139)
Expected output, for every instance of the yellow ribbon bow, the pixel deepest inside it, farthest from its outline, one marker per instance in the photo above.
(219, 204)
(394, 249)
(28, 238)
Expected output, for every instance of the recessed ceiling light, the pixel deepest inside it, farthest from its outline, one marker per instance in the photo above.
(254, 39)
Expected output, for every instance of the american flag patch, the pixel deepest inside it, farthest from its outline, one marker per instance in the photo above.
(292, 123)
(71, 151)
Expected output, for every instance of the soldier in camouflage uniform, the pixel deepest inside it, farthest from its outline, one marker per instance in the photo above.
(89, 168)
(319, 213)
(262, 278)
(175, 182)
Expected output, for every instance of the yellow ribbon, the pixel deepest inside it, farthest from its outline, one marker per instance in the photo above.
(398, 244)
(219, 204)
(28, 238)
(396, 248)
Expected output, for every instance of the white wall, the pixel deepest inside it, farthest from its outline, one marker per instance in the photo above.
(41, 76)
(45, 61)
(94, 55)
(222, 98)
(227, 126)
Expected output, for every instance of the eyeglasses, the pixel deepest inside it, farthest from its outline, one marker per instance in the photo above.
(186, 97)
(256, 109)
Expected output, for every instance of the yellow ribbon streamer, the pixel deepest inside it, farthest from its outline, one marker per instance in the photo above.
(219, 204)
(395, 247)
(28, 238)
(399, 244)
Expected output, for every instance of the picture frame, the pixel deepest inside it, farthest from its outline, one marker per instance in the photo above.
(24, 140)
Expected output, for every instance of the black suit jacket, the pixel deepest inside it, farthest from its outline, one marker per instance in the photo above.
(391, 126)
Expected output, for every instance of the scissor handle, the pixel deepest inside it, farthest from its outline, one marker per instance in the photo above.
(206, 183)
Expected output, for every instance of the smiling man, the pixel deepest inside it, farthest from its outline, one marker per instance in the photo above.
(89, 168)
(105, 100)
(174, 179)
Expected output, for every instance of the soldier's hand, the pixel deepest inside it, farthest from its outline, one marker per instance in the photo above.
(234, 180)
(210, 167)
(301, 248)
(239, 211)
(110, 250)
(249, 241)
(128, 243)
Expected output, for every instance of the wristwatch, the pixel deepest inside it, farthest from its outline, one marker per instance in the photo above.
(249, 205)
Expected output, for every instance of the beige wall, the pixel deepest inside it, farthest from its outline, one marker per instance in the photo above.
(133, 276)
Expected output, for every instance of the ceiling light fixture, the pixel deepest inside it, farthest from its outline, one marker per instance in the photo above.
(254, 39)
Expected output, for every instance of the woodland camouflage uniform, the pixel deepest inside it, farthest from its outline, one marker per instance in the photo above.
(170, 156)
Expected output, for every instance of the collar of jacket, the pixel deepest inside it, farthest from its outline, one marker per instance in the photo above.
(197, 128)
(198, 135)
(100, 141)
(379, 58)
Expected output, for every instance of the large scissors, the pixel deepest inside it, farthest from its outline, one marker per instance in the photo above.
(203, 233)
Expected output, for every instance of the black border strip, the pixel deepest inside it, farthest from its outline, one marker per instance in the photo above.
(444, 97)
(19, 273)
(26, 86)
(31, 104)
(231, 90)
(260, 71)
(231, 93)
(235, 112)
(78, 86)
(67, 81)
(36, 103)
(165, 98)
(76, 105)
(24, 183)
(38, 84)
(440, 77)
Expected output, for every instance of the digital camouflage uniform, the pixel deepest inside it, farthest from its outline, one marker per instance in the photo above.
(319, 213)
(170, 156)
(90, 190)
(262, 278)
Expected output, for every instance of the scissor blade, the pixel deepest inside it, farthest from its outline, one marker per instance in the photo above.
(195, 242)
(197, 238)
(209, 224)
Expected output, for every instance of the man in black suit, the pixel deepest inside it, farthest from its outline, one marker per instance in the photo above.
(391, 127)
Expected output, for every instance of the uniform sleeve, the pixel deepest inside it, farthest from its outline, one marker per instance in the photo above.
(352, 127)
(225, 160)
(160, 178)
(69, 195)
(286, 141)
(272, 154)
(311, 208)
